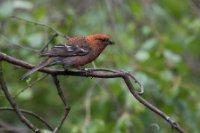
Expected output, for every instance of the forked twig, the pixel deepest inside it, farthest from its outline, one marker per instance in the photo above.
(64, 100)
(97, 73)
(13, 103)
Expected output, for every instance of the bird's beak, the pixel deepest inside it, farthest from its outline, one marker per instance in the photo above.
(111, 42)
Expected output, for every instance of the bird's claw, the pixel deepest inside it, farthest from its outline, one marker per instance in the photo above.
(86, 71)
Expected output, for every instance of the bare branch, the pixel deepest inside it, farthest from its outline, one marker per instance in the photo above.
(64, 100)
(99, 74)
(150, 106)
(13, 103)
(29, 113)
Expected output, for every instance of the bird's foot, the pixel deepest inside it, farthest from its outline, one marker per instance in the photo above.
(86, 71)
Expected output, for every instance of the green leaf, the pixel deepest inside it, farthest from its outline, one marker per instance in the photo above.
(142, 55)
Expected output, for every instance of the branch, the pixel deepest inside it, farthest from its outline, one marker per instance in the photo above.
(13, 103)
(29, 113)
(126, 76)
(62, 97)
(152, 107)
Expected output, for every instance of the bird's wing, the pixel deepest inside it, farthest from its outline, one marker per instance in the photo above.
(67, 50)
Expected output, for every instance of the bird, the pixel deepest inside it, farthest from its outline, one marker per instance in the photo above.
(74, 52)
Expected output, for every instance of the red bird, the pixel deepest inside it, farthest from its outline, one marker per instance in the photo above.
(74, 52)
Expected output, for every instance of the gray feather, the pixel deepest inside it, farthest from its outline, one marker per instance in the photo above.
(43, 64)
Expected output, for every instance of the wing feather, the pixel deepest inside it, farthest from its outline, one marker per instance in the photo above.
(68, 49)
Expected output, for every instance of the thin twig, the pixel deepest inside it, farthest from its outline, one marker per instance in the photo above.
(47, 45)
(29, 113)
(64, 100)
(138, 82)
(13, 103)
(29, 86)
(43, 25)
(15, 45)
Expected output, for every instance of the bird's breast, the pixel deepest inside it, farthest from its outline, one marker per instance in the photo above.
(83, 60)
(77, 61)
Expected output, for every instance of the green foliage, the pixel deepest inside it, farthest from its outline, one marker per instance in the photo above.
(158, 40)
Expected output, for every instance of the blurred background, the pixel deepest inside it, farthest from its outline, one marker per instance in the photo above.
(159, 41)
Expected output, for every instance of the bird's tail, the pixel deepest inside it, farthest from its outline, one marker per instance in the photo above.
(41, 65)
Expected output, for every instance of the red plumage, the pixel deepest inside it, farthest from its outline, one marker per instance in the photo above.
(74, 52)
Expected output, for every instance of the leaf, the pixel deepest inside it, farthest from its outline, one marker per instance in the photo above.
(142, 55)
(172, 57)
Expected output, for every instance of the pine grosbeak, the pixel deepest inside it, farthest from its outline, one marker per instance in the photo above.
(74, 52)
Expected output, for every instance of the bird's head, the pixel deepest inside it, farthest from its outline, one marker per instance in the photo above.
(100, 39)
